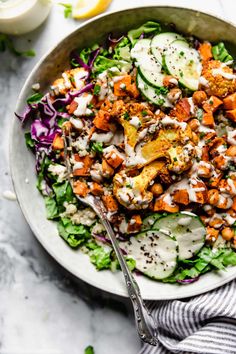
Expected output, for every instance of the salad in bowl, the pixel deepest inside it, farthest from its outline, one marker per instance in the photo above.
(152, 116)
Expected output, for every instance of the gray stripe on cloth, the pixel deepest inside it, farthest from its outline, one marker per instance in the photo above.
(205, 324)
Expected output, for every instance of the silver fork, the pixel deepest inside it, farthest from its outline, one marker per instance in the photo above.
(145, 323)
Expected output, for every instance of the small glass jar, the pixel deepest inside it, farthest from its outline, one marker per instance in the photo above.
(22, 16)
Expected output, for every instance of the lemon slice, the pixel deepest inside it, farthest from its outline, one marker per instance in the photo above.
(89, 8)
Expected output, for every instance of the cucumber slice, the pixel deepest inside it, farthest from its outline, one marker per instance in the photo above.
(141, 52)
(149, 221)
(162, 41)
(184, 63)
(187, 229)
(181, 43)
(155, 253)
(149, 66)
(150, 94)
(153, 78)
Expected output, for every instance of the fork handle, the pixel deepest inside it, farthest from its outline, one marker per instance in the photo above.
(146, 326)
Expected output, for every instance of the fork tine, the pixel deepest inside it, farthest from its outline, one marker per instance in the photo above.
(66, 134)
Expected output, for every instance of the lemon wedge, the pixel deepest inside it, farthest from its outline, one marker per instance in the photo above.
(89, 8)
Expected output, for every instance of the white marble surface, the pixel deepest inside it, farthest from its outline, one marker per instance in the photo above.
(41, 309)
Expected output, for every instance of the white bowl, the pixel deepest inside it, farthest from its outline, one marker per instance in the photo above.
(22, 160)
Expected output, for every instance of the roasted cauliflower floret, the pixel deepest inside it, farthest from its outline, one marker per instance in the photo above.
(220, 78)
(131, 192)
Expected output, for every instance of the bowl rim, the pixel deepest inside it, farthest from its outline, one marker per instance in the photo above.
(53, 254)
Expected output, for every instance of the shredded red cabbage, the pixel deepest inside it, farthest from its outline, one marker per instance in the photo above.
(187, 281)
(62, 102)
(101, 238)
(28, 113)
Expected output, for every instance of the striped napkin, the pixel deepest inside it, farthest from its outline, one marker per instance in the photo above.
(204, 324)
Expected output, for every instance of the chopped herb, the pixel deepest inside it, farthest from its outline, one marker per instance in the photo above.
(181, 54)
(96, 90)
(181, 74)
(72, 79)
(35, 98)
(90, 106)
(199, 114)
(161, 90)
(126, 116)
(160, 101)
(202, 135)
(208, 141)
(97, 147)
(67, 9)
(210, 102)
(144, 113)
(191, 62)
(128, 186)
(175, 159)
(7, 43)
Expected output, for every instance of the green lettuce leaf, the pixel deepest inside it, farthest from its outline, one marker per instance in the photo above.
(63, 192)
(51, 208)
(99, 256)
(103, 63)
(74, 235)
(122, 50)
(147, 28)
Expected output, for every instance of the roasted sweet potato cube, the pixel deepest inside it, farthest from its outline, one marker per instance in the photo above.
(182, 110)
(212, 104)
(181, 197)
(101, 121)
(122, 86)
(110, 203)
(96, 189)
(58, 143)
(231, 115)
(72, 107)
(86, 162)
(114, 159)
(208, 119)
(230, 101)
(162, 205)
(135, 223)
(107, 170)
(80, 188)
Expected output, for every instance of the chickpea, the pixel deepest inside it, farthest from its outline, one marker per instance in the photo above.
(227, 233)
(199, 97)
(213, 196)
(157, 189)
(204, 171)
(194, 124)
(209, 209)
(174, 95)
